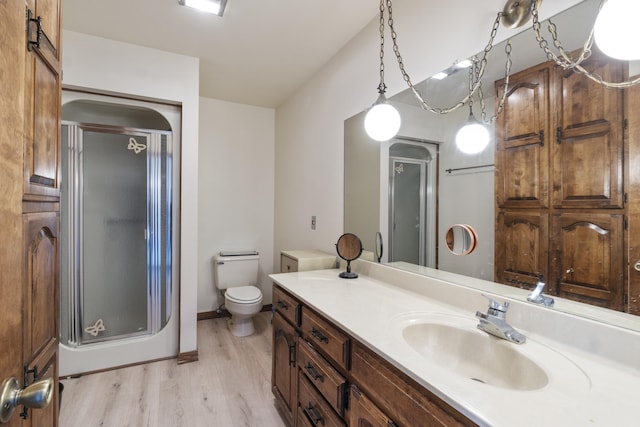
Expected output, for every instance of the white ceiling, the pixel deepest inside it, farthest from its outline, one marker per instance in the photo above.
(258, 53)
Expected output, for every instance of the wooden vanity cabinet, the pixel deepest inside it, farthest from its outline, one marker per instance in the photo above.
(284, 380)
(336, 381)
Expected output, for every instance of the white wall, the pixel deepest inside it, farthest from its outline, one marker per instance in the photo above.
(309, 125)
(108, 66)
(236, 186)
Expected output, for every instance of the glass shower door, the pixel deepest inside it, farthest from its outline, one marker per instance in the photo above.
(117, 252)
(407, 212)
(114, 226)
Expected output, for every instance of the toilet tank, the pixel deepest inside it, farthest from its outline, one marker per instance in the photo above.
(232, 269)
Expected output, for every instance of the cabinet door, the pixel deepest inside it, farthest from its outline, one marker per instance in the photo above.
(283, 374)
(364, 413)
(522, 150)
(40, 306)
(42, 104)
(587, 258)
(522, 247)
(587, 156)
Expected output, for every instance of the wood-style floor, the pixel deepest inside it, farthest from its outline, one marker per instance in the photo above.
(230, 385)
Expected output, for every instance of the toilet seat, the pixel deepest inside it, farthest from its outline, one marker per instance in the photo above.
(244, 295)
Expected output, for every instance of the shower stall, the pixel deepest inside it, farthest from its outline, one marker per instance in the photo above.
(412, 202)
(118, 263)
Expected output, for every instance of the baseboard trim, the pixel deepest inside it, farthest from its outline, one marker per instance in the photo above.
(224, 313)
(188, 357)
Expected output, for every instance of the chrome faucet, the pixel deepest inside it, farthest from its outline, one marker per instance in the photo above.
(493, 322)
(536, 296)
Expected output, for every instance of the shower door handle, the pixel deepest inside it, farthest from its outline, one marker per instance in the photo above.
(36, 395)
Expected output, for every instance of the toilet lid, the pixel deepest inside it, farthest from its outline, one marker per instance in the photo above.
(244, 294)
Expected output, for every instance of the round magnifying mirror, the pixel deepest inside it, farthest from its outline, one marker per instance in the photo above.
(349, 247)
(461, 239)
(378, 246)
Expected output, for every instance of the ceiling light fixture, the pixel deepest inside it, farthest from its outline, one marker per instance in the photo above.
(382, 121)
(215, 7)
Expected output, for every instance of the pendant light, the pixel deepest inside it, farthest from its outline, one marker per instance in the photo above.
(473, 136)
(382, 121)
(616, 31)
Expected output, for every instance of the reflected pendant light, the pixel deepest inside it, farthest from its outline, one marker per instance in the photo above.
(382, 121)
(616, 31)
(473, 136)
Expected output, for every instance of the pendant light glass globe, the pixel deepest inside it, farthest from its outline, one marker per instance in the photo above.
(616, 30)
(473, 137)
(382, 121)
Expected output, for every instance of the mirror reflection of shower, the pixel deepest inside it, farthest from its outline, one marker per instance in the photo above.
(116, 265)
(412, 202)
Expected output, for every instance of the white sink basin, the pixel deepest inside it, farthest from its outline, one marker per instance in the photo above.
(455, 344)
(476, 356)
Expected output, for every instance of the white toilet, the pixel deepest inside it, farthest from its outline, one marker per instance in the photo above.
(237, 273)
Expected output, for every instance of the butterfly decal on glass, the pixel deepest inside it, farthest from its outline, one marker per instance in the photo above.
(135, 146)
(96, 328)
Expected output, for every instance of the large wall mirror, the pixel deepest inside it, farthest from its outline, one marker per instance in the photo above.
(449, 187)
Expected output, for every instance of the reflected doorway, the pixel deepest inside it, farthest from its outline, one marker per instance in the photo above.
(412, 203)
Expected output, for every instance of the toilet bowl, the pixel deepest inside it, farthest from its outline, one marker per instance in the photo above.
(236, 273)
(242, 303)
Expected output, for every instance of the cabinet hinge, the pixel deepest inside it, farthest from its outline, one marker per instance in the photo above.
(558, 135)
(626, 224)
(542, 138)
(625, 123)
(38, 21)
(625, 299)
(625, 197)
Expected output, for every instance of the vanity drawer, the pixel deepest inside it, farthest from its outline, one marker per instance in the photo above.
(303, 420)
(327, 380)
(286, 305)
(326, 338)
(314, 406)
(288, 264)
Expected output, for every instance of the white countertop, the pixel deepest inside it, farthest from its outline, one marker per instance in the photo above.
(584, 389)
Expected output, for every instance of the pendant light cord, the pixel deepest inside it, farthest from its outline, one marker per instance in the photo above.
(382, 87)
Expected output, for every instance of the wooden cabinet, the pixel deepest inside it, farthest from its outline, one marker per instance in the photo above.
(30, 79)
(522, 254)
(342, 383)
(305, 260)
(522, 141)
(587, 166)
(560, 183)
(587, 257)
(284, 369)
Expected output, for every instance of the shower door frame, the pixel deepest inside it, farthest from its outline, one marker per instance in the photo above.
(153, 235)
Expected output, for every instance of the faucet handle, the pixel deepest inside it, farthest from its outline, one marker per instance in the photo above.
(495, 305)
